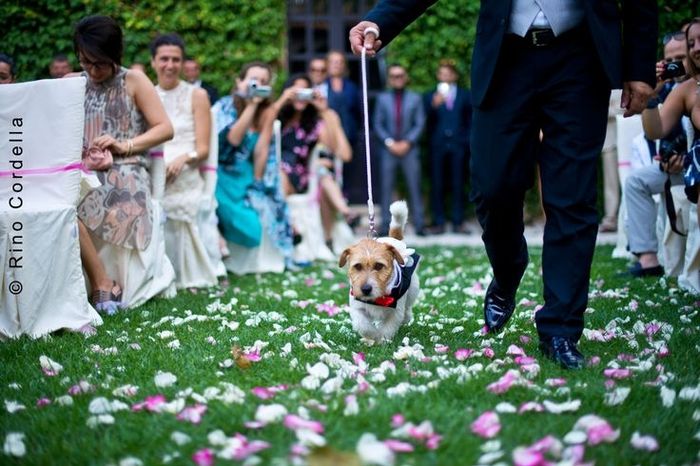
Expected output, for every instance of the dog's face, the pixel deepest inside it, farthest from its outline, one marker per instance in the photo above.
(370, 267)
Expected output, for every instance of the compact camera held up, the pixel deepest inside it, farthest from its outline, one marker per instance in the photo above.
(257, 90)
(305, 94)
(674, 69)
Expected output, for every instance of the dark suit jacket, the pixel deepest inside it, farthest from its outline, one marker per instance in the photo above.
(449, 126)
(627, 54)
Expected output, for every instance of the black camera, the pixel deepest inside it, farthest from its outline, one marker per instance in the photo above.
(673, 146)
(675, 69)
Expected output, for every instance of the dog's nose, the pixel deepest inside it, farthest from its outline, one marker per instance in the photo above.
(366, 289)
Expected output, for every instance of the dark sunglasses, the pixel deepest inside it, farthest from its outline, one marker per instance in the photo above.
(85, 63)
(397, 76)
(678, 35)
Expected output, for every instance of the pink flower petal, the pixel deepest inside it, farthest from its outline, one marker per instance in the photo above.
(41, 402)
(442, 349)
(489, 353)
(433, 442)
(514, 350)
(192, 414)
(328, 308)
(555, 382)
(525, 360)
(530, 406)
(294, 422)
(617, 373)
(503, 384)
(463, 353)
(487, 425)
(203, 457)
(527, 457)
(398, 446)
(397, 420)
(151, 403)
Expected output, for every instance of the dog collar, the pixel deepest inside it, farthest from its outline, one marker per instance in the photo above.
(401, 281)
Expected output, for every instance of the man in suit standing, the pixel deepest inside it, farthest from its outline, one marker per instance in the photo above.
(398, 123)
(549, 66)
(449, 116)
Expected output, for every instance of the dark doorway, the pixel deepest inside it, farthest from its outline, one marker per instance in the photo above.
(314, 28)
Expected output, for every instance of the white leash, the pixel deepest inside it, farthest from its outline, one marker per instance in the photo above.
(372, 233)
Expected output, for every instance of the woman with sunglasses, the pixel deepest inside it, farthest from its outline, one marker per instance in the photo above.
(123, 119)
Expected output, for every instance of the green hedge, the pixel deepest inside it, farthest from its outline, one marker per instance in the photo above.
(222, 34)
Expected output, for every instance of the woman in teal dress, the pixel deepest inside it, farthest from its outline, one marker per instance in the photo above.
(237, 119)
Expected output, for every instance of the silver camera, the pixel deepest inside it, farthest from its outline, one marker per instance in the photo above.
(305, 94)
(257, 90)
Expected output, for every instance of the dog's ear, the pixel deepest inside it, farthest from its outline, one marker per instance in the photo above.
(395, 253)
(344, 257)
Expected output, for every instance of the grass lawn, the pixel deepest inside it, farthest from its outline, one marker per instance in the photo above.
(298, 361)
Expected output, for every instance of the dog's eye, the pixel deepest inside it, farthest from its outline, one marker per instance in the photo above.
(378, 266)
(357, 267)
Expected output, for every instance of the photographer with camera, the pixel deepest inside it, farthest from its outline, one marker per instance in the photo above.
(307, 121)
(238, 124)
(644, 182)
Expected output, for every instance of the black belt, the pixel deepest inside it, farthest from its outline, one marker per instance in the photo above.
(540, 37)
(545, 37)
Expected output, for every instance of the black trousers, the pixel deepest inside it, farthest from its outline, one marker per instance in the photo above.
(561, 90)
(448, 162)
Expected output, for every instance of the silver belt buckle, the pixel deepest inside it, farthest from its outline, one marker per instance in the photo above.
(535, 41)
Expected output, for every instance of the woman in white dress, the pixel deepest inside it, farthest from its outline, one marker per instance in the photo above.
(189, 111)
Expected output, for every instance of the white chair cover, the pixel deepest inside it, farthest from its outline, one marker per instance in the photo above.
(146, 273)
(207, 220)
(627, 130)
(42, 288)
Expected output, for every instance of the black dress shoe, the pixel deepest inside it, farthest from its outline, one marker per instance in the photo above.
(498, 307)
(562, 350)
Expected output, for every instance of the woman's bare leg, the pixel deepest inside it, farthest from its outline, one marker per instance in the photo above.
(99, 280)
(331, 189)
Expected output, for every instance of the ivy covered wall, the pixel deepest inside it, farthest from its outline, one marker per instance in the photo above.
(222, 34)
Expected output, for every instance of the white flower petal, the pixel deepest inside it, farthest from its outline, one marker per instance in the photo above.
(668, 396)
(372, 451)
(164, 379)
(13, 406)
(49, 365)
(566, 407)
(270, 413)
(14, 444)
(617, 396)
(179, 438)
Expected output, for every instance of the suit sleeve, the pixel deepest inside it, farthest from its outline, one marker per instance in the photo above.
(640, 33)
(379, 122)
(393, 16)
(418, 122)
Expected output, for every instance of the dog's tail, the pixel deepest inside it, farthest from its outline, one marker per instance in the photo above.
(399, 216)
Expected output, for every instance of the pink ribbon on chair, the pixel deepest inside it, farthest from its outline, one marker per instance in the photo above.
(43, 171)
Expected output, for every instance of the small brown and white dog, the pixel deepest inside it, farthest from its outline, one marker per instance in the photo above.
(383, 282)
